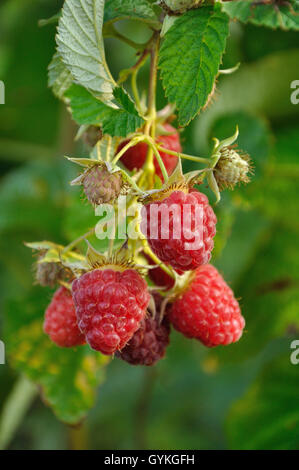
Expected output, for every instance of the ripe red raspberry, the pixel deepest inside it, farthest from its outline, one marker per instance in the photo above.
(61, 321)
(190, 225)
(135, 157)
(208, 310)
(110, 305)
(149, 343)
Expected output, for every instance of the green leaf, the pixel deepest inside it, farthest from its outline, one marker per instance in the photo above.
(81, 46)
(68, 377)
(130, 9)
(117, 121)
(59, 77)
(267, 417)
(190, 57)
(284, 16)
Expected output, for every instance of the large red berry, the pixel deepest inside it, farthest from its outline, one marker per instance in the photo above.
(180, 229)
(135, 157)
(207, 310)
(110, 305)
(61, 320)
(149, 343)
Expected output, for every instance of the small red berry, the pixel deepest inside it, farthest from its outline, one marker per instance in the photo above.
(110, 305)
(190, 224)
(149, 343)
(207, 310)
(135, 157)
(61, 320)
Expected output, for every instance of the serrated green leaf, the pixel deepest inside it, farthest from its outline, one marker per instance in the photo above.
(190, 56)
(267, 417)
(81, 47)
(130, 9)
(68, 377)
(285, 16)
(59, 77)
(117, 121)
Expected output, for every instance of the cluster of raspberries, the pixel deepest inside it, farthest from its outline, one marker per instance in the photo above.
(107, 307)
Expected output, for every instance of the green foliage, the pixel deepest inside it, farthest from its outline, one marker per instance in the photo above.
(81, 46)
(190, 56)
(267, 416)
(285, 16)
(119, 120)
(59, 77)
(68, 378)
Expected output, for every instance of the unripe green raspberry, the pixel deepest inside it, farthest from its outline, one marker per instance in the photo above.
(101, 186)
(232, 168)
(180, 6)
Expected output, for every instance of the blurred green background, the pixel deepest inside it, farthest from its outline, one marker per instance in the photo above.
(244, 396)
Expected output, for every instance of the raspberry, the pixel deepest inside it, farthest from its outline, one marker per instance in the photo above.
(149, 343)
(100, 186)
(232, 168)
(135, 157)
(191, 228)
(61, 321)
(208, 310)
(110, 305)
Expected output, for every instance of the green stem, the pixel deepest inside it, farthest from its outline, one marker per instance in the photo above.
(78, 240)
(15, 408)
(150, 127)
(113, 33)
(161, 163)
(156, 260)
(135, 70)
(133, 184)
(184, 155)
